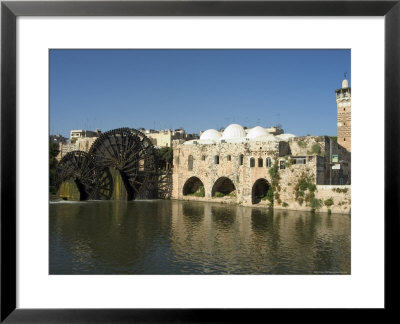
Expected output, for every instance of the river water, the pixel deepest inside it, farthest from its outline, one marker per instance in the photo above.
(186, 237)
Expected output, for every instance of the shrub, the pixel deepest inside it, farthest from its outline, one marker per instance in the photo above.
(316, 148)
(315, 203)
(304, 191)
(302, 144)
(329, 202)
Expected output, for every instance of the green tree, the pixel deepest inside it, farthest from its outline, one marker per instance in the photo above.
(53, 152)
(163, 157)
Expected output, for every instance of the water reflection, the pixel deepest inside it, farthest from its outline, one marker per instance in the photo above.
(187, 237)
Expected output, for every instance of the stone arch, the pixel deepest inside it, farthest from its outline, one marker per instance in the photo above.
(193, 186)
(259, 190)
(224, 187)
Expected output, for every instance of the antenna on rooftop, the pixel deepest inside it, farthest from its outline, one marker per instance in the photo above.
(345, 75)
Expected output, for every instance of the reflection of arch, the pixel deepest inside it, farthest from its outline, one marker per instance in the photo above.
(193, 186)
(223, 217)
(223, 186)
(192, 210)
(259, 191)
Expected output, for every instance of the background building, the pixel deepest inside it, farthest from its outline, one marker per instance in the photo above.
(164, 138)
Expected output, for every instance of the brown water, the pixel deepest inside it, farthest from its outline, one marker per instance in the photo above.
(181, 237)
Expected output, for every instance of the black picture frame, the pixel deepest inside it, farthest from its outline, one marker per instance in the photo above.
(10, 10)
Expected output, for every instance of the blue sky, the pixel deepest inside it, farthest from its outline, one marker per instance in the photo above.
(196, 89)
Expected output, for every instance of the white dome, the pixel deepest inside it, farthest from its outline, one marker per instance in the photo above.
(210, 134)
(345, 84)
(233, 131)
(257, 131)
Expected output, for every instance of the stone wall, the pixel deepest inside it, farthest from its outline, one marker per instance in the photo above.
(161, 139)
(212, 163)
(208, 171)
(69, 191)
(324, 148)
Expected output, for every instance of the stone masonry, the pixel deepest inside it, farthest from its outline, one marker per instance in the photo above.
(244, 168)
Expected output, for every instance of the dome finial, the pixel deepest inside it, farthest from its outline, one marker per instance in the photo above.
(345, 83)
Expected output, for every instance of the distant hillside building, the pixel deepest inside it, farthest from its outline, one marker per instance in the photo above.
(164, 138)
(80, 133)
(80, 140)
(58, 138)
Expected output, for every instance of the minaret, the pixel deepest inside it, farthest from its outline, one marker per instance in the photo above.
(343, 101)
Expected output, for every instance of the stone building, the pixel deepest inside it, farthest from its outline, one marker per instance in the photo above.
(80, 144)
(80, 140)
(343, 101)
(235, 166)
(81, 133)
(164, 138)
(265, 166)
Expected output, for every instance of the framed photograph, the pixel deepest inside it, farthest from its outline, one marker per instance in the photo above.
(212, 118)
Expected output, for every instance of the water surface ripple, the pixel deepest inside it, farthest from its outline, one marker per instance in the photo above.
(182, 237)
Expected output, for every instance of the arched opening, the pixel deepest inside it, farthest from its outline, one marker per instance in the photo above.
(260, 191)
(83, 194)
(223, 187)
(193, 187)
(252, 162)
(71, 189)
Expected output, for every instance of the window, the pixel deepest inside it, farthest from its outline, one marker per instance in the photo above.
(203, 157)
(216, 159)
(268, 162)
(299, 160)
(282, 165)
(228, 157)
(252, 162)
(344, 140)
(241, 159)
(260, 162)
(190, 163)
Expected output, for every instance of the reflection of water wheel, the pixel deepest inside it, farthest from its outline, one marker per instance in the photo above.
(131, 153)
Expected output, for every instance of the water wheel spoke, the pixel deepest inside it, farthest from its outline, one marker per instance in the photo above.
(128, 150)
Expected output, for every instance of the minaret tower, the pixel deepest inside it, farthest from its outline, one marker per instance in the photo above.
(343, 101)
